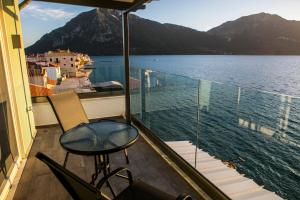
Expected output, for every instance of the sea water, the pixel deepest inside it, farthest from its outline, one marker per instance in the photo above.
(242, 109)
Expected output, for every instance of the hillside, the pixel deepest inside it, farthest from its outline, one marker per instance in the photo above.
(99, 32)
(261, 34)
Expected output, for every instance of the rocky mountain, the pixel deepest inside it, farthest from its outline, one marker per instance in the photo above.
(99, 32)
(261, 34)
(91, 32)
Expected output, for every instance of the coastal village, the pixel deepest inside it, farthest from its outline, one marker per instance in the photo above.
(57, 71)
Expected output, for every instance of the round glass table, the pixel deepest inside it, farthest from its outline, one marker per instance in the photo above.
(99, 139)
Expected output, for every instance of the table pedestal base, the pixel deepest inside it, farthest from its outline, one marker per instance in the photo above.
(102, 164)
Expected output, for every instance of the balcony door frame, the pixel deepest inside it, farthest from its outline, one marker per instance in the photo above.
(5, 64)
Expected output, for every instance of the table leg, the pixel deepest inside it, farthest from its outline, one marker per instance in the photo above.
(102, 163)
(95, 175)
(98, 163)
(106, 170)
(108, 164)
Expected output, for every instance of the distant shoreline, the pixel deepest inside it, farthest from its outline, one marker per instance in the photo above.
(198, 55)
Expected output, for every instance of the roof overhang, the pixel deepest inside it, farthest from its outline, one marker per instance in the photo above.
(112, 4)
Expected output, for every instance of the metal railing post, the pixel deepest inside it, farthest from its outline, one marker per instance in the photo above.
(126, 65)
(143, 94)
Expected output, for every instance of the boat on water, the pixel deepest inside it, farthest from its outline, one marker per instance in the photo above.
(108, 86)
(106, 61)
(89, 67)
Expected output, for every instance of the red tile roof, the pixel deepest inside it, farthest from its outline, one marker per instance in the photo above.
(37, 91)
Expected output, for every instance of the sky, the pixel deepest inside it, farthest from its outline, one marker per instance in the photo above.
(40, 18)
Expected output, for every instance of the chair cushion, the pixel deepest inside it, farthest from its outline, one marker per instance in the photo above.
(143, 191)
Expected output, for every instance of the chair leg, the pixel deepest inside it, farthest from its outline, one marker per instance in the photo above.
(126, 156)
(66, 160)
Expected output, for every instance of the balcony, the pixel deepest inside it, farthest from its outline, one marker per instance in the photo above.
(206, 139)
(184, 124)
(37, 181)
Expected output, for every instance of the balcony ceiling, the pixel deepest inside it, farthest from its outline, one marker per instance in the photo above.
(112, 4)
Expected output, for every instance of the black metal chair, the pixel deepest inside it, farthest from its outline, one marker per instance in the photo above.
(81, 190)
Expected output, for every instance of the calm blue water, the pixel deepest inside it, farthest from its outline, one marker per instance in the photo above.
(258, 131)
(271, 73)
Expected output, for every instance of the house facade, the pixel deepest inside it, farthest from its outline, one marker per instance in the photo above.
(67, 60)
(54, 73)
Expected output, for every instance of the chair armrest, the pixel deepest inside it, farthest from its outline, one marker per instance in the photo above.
(184, 197)
(114, 173)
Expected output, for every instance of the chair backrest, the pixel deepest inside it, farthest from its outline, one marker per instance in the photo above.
(77, 188)
(68, 110)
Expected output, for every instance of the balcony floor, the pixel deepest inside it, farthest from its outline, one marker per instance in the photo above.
(37, 182)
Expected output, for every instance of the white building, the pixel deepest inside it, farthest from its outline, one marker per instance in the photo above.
(68, 61)
(53, 73)
(35, 58)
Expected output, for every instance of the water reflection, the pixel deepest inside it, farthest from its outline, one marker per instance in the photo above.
(256, 127)
(280, 125)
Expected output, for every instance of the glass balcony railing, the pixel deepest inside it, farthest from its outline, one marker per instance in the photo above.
(255, 132)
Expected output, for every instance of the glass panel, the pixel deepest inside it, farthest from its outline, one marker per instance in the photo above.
(257, 132)
(8, 147)
(254, 132)
(163, 103)
(135, 91)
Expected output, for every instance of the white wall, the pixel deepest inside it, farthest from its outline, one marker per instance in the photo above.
(53, 73)
(94, 107)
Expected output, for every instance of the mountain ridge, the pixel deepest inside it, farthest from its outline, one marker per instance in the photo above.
(99, 32)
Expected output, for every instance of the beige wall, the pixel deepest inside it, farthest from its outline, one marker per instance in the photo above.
(64, 61)
(95, 108)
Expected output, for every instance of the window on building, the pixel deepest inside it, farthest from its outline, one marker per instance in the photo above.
(71, 59)
(50, 59)
(57, 60)
(72, 65)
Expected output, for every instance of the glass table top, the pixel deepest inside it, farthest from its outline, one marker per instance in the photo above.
(99, 138)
